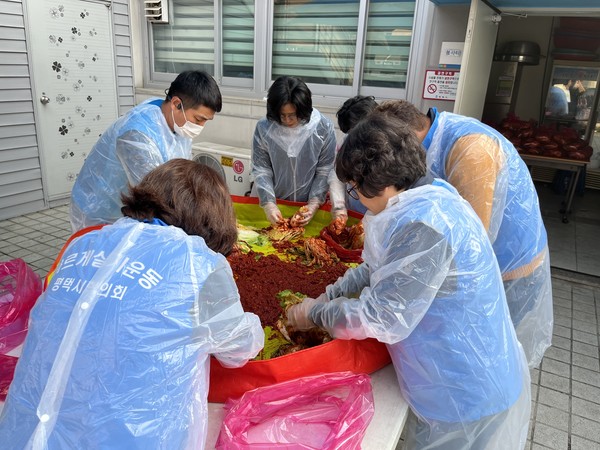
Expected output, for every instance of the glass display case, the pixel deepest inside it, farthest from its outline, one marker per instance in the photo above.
(572, 97)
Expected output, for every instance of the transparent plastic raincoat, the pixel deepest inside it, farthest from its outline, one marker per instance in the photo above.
(117, 353)
(131, 147)
(338, 193)
(293, 163)
(431, 290)
(488, 172)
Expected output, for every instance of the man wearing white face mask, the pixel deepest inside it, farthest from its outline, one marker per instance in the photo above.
(148, 135)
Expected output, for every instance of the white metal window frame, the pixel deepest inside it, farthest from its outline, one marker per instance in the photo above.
(256, 88)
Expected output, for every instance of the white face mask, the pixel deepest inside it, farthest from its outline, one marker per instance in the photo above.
(189, 129)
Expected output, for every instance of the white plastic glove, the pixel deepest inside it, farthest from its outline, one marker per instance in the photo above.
(307, 213)
(339, 213)
(272, 212)
(297, 315)
(337, 193)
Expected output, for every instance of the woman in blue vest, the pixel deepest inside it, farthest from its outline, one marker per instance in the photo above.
(117, 352)
(429, 288)
(487, 171)
(146, 136)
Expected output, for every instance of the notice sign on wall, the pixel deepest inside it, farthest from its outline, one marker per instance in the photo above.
(440, 84)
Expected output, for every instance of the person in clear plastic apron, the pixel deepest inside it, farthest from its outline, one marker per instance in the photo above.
(430, 288)
(118, 347)
(488, 172)
(293, 150)
(149, 134)
(350, 113)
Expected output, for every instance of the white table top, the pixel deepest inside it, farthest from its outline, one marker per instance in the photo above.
(383, 433)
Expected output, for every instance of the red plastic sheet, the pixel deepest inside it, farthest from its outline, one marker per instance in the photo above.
(338, 355)
(335, 356)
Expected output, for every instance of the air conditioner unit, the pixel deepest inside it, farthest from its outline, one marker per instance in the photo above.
(156, 11)
(231, 162)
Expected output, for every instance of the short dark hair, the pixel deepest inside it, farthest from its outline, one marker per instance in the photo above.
(289, 90)
(187, 195)
(196, 88)
(405, 111)
(353, 110)
(380, 151)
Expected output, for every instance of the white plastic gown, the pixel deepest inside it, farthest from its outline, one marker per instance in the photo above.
(338, 195)
(117, 352)
(131, 147)
(293, 163)
(488, 172)
(431, 290)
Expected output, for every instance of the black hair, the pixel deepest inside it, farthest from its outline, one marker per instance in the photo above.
(405, 111)
(289, 90)
(353, 110)
(196, 88)
(380, 151)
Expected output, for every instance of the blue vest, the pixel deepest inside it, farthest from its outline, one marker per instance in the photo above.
(462, 360)
(521, 233)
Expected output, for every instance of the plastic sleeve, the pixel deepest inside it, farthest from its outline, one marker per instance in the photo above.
(337, 192)
(138, 155)
(401, 290)
(262, 170)
(234, 336)
(320, 184)
(474, 167)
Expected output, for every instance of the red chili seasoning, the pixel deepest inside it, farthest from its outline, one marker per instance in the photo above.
(259, 278)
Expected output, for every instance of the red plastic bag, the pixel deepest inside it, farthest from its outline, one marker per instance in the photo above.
(345, 254)
(20, 287)
(326, 411)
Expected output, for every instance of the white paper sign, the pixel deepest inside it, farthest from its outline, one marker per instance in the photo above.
(440, 84)
(451, 53)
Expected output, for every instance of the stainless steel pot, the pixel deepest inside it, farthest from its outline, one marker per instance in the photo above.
(526, 48)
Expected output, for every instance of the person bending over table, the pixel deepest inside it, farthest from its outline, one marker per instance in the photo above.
(487, 171)
(117, 352)
(430, 288)
(148, 135)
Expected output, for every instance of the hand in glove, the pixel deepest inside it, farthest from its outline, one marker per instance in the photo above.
(297, 315)
(306, 213)
(339, 214)
(272, 212)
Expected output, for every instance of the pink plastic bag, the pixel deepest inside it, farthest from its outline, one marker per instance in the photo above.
(20, 287)
(326, 411)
